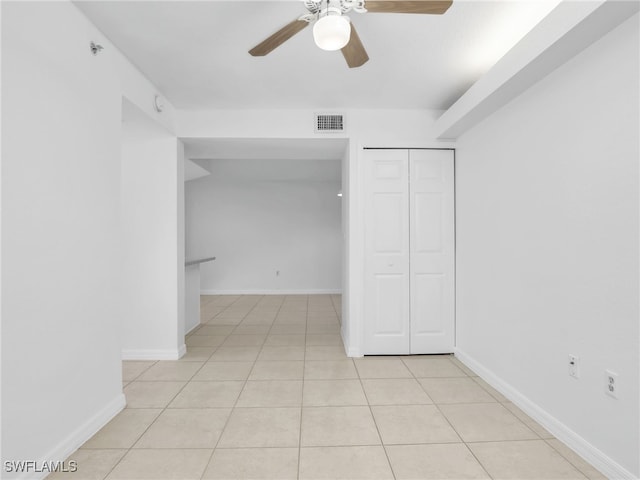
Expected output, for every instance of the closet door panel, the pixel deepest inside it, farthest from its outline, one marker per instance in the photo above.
(428, 230)
(388, 236)
(428, 305)
(388, 319)
(386, 309)
(431, 251)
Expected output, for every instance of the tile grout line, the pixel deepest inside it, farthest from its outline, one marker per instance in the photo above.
(546, 440)
(128, 450)
(166, 407)
(154, 420)
(158, 416)
(304, 360)
(449, 422)
(153, 362)
(162, 410)
(226, 423)
(384, 448)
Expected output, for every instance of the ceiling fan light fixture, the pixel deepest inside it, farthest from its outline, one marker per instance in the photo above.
(332, 32)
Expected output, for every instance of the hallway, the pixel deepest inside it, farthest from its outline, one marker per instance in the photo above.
(265, 391)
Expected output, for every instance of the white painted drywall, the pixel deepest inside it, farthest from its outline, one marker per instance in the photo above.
(139, 90)
(547, 249)
(412, 126)
(181, 327)
(153, 259)
(191, 297)
(346, 254)
(61, 368)
(192, 171)
(371, 128)
(261, 216)
(567, 30)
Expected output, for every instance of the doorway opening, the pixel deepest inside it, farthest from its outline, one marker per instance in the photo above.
(272, 212)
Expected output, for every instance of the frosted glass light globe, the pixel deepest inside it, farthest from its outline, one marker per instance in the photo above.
(332, 32)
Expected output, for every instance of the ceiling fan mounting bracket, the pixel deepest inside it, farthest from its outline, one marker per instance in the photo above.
(316, 7)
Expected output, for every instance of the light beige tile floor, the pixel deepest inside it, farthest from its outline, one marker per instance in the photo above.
(265, 391)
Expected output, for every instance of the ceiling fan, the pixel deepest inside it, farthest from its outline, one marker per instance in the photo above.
(333, 30)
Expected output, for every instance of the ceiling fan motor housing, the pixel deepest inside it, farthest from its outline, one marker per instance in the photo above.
(321, 7)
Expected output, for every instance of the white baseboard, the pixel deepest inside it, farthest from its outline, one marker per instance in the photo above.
(152, 354)
(354, 353)
(350, 350)
(273, 292)
(582, 447)
(192, 328)
(79, 436)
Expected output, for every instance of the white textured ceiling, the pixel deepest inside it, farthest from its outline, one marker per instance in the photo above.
(196, 52)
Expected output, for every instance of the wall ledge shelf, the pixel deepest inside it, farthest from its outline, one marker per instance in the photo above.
(198, 261)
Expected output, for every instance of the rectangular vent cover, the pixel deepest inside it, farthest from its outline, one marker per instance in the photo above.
(329, 123)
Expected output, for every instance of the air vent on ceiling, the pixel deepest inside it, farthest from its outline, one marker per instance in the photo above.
(329, 123)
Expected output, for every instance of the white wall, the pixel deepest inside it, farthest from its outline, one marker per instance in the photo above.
(191, 297)
(61, 369)
(547, 250)
(371, 128)
(261, 216)
(346, 254)
(179, 235)
(409, 128)
(152, 209)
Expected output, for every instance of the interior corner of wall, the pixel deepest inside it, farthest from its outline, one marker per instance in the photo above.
(86, 430)
(555, 426)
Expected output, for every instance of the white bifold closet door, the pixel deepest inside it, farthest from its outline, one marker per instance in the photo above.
(409, 251)
(386, 312)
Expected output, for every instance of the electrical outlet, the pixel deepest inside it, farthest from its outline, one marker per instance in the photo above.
(574, 367)
(611, 383)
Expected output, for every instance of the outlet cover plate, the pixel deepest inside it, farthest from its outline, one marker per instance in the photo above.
(574, 366)
(611, 383)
